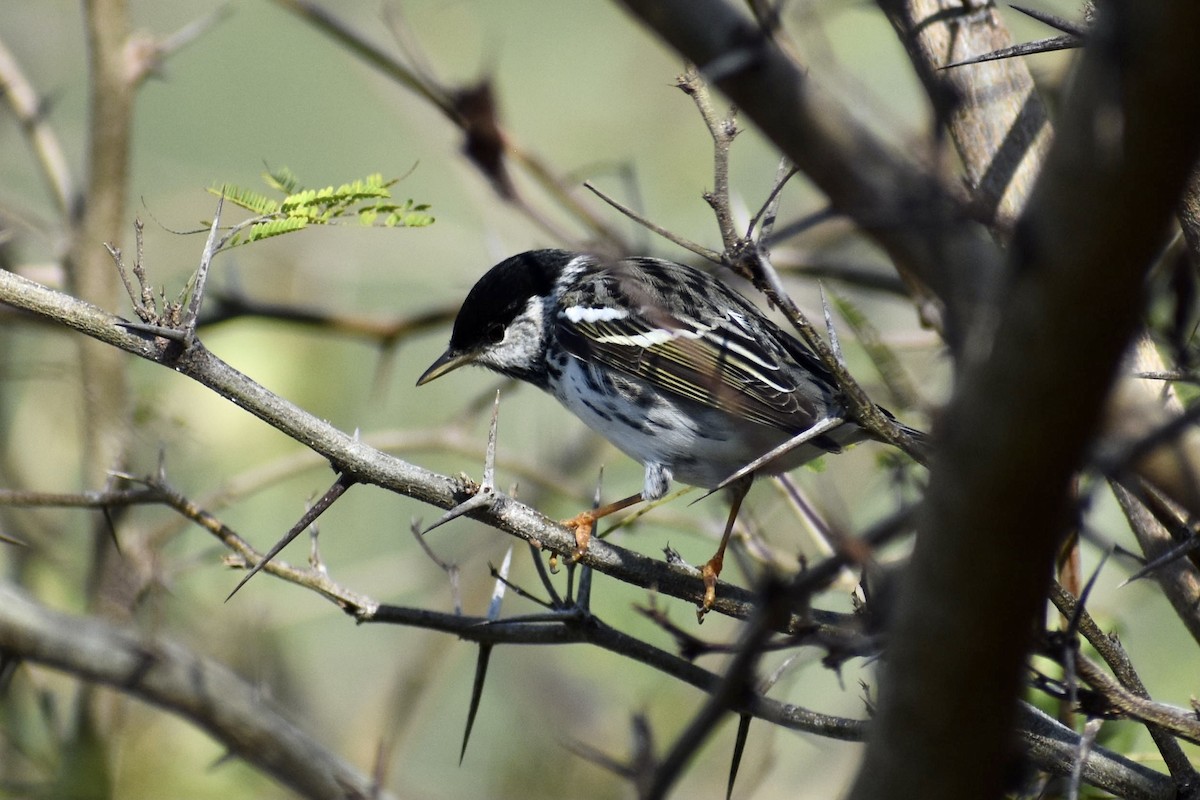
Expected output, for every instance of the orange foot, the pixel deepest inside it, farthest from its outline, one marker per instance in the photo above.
(710, 572)
(582, 524)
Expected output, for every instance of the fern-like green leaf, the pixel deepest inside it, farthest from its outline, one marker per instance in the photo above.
(275, 227)
(367, 198)
(412, 219)
(282, 180)
(299, 202)
(244, 198)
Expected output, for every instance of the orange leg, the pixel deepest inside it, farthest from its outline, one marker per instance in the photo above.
(584, 523)
(712, 568)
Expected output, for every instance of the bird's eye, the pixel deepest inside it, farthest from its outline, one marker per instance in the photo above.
(495, 333)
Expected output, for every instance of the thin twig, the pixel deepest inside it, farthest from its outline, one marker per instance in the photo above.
(723, 129)
(770, 207)
(674, 238)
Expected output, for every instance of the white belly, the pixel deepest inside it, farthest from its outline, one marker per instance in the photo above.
(695, 444)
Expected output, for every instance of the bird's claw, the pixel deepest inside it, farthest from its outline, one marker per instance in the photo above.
(582, 524)
(709, 573)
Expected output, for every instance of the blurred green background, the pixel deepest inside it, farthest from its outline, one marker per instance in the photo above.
(585, 88)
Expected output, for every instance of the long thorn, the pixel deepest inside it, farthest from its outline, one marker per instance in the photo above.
(686, 244)
(834, 345)
(335, 491)
(211, 247)
(485, 653)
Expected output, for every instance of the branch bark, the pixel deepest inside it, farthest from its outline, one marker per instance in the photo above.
(368, 465)
(998, 495)
(992, 111)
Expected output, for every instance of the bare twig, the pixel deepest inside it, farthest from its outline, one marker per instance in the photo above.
(104, 498)
(317, 580)
(686, 244)
(452, 571)
(1179, 578)
(766, 215)
(225, 305)
(146, 55)
(723, 129)
(1178, 721)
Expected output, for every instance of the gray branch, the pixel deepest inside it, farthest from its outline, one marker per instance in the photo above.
(173, 677)
(369, 465)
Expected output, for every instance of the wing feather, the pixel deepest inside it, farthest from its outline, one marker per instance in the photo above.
(716, 361)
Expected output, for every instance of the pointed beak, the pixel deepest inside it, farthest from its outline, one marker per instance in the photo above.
(446, 362)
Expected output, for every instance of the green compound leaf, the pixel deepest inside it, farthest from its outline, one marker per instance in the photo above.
(275, 227)
(247, 199)
(367, 200)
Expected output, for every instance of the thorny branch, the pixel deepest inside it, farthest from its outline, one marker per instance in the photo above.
(574, 625)
(363, 462)
(171, 340)
(1110, 649)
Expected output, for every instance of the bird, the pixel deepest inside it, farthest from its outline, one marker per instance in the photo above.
(672, 366)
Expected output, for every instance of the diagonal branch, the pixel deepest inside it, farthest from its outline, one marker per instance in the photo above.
(994, 116)
(173, 677)
(366, 464)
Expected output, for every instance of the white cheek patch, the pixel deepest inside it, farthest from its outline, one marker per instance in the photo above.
(525, 326)
(578, 314)
(529, 319)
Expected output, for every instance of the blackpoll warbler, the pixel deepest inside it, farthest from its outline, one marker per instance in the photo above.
(670, 365)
